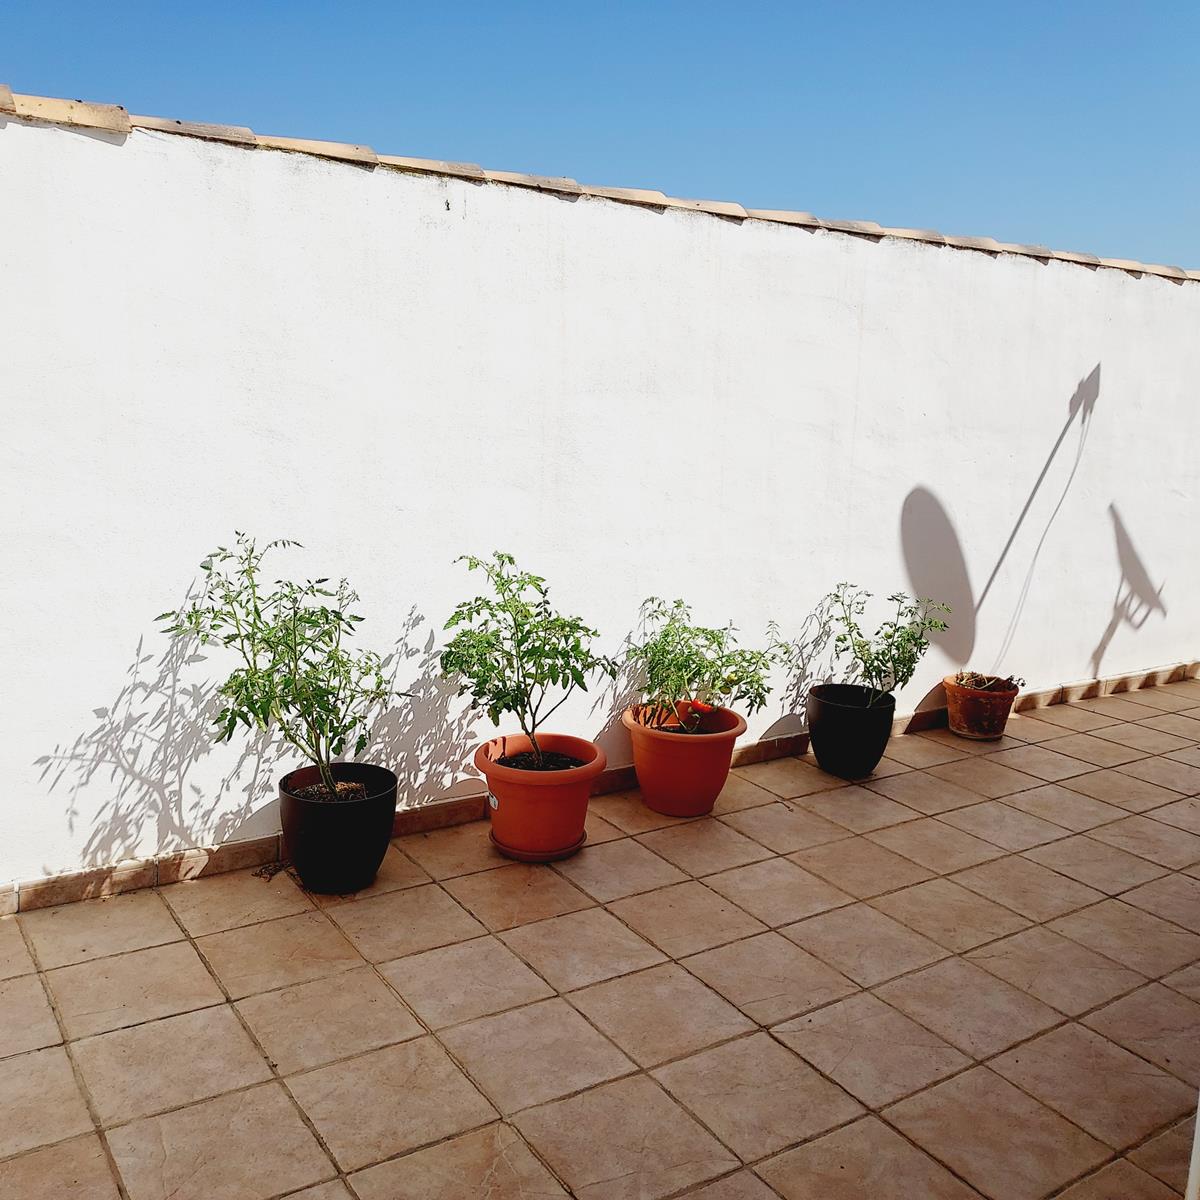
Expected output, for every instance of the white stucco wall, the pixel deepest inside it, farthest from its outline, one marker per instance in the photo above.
(396, 369)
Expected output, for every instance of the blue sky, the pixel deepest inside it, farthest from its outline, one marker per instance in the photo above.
(1073, 125)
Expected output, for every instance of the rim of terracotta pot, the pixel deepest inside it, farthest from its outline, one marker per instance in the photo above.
(516, 743)
(736, 730)
(950, 682)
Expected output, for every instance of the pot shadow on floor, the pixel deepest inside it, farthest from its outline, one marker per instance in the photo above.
(142, 753)
(934, 556)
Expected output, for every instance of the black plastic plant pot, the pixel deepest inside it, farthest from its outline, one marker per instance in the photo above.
(337, 847)
(848, 735)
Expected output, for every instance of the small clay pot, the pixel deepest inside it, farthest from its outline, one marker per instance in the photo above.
(977, 713)
(847, 732)
(539, 816)
(682, 774)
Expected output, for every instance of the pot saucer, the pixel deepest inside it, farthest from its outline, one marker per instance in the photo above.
(534, 856)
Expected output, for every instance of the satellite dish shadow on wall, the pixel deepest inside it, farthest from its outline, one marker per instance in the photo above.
(1137, 599)
(937, 568)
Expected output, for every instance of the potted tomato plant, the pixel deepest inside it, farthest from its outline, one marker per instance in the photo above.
(298, 679)
(516, 655)
(684, 732)
(977, 706)
(849, 723)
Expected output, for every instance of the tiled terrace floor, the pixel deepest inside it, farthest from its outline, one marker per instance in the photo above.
(977, 973)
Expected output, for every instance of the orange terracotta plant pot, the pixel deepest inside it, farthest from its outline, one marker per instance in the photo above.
(682, 774)
(977, 713)
(539, 816)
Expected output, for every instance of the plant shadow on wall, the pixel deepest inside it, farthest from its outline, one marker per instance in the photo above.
(140, 755)
(937, 565)
(807, 658)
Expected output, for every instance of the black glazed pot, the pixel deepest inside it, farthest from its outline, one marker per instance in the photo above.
(847, 735)
(337, 847)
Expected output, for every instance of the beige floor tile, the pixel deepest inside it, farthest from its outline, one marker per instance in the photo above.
(860, 867)
(1091, 862)
(923, 792)
(1185, 754)
(1166, 1156)
(788, 778)
(335, 1189)
(599, 830)
(76, 1170)
(972, 1010)
(783, 827)
(1026, 728)
(530, 1055)
(739, 1186)
(236, 898)
(257, 958)
(950, 915)
(1113, 787)
(581, 948)
(1130, 936)
(1104, 1089)
(1099, 751)
(935, 845)
(1182, 725)
(1186, 980)
(169, 1063)
(456, 850)
(627, 811)
(130, 988)
(1003, 825)
(756, 1096)
(626, 1140)
(516, 895)
(406, 922)
(14, 957)
(1162, 699)
(397, 871)
(686, 918)
(1120, 1180)
(972, 1124)
(40, 1101)
(1139, 737)
(88, 929)
(28, 1021)
(984, 777)
(1033, 891)
(921, 752)
(388, 1101)
(865, 1159)
(464, 981)
(1128, 706)
(777, 891)
(493, 1163)
(356, 1011)
(739, 794)
(1059, 805)
(249, 1145)
(884, 768)
(1070, 716)
(1183, 814)
(702, 847)
(618, 869)
(1173, 897)
(660, 1014)
(1055, 970)
(1045, 764)
(875, 1052)
(1158, 1024)
(1166, 772)
(769, 978)
(972, 746)
(1161, 843)
(864, 944)
(857, 809)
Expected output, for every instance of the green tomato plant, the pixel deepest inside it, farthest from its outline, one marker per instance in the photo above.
(513, 652)
(886, 660)
(296, 675)
(683, 661)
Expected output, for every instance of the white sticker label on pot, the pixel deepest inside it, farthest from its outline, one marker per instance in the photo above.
(492, 801)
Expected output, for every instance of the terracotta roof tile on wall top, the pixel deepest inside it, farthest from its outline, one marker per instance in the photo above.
(718, 208)
(644, 196)
(344, 151)
(6, 99)
(236, 134)
(916, 235)
(986, 244)
(1076, 256)
(540, 183)
(860, 228)
(433, 166)
(781, 216)
(111, 117)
